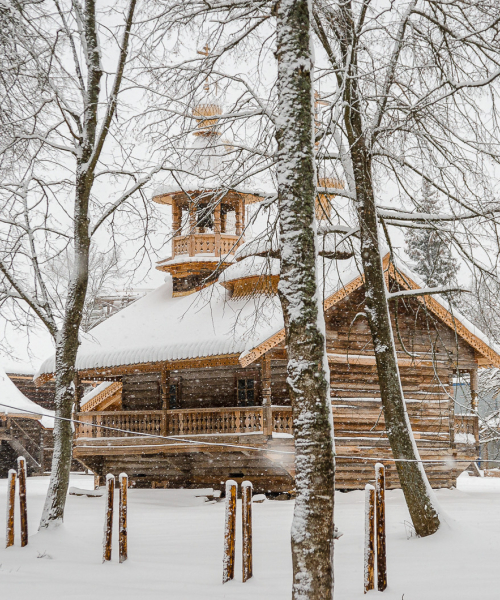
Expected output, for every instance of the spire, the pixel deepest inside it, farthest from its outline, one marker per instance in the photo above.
(209, 108)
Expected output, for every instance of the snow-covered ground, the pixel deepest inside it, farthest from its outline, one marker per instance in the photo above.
(175, 549)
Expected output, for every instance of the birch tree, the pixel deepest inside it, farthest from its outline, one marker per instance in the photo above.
(308, 372)
(79, 169)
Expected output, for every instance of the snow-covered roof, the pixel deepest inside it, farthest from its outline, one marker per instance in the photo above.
(159, 327)
(14, 403)
(207, 323)
(252, 266)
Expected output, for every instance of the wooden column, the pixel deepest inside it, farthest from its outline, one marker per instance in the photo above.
(267, 411)
(122, 542)
(229, 531)
(192, 228)
(369, 563)
(108, 524)
(246, 513)
(474, 401)
(381, 544)
(23, 508)
(239, 221)
(78, 393)
(176, 219)
(451, 411)
(473, 388)
(11, 502)
(164, 390)
(217, 230)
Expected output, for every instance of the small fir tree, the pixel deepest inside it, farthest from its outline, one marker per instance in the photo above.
(429, 249)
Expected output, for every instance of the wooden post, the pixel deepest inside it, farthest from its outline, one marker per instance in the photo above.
(192, 228)
(474, 400)
(381, 546)
(78, 393)
(229, 531)
(23, 509)
(108, 523)
(164, 387)
(11, 502)
(369, 566)
(123, 517)
(473, 388)
(217, 229)
(238, 215)
(267, 411)
(246, 511)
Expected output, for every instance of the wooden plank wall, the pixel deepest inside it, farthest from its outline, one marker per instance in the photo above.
(141, 392)
(357, 411)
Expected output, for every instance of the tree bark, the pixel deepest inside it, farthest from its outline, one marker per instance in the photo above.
(308, 373)
(412, 476)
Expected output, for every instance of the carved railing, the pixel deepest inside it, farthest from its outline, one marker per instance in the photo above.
(466, 429)
(282, 419)
(202, 421)
(215, 421)
(205, 243)
(94, 424)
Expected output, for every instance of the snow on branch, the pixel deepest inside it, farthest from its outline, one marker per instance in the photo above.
(426, 292)
(420, 217)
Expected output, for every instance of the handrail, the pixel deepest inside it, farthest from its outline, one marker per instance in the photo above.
(189, 421)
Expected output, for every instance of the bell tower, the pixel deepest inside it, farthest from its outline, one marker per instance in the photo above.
(208, 223)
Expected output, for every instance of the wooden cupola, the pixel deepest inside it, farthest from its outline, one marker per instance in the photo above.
(207, 223)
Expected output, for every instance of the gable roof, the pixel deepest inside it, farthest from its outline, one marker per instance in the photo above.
(490, 354)
(207, 329)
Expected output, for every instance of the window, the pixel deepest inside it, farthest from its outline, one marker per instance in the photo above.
(246, 392)
(174, 396)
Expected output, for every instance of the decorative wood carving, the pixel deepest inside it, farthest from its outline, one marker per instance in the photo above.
(99, 402)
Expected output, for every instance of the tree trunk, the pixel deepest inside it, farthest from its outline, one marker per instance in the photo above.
(67, 343)
(308, 373)
(66, 351)
(412, 476)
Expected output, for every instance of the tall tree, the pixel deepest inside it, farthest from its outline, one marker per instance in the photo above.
(51, 202)
(308, 373)
(430, 249)
(402, 76)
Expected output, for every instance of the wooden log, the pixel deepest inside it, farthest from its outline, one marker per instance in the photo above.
(123, 517)
(108, 522)
(23, 508)
(229, 531)
(11, 502)
(246, 510)
(381, 539)
(369, 562)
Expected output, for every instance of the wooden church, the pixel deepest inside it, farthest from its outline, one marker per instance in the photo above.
(192, 377)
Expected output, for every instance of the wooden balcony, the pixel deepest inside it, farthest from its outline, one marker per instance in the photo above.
(466, 430)
(205, 244)
(187, 422)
